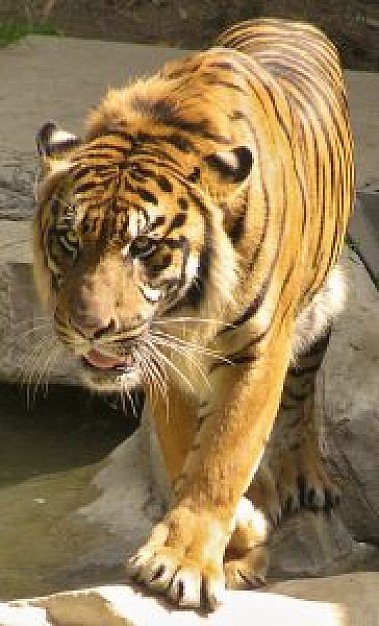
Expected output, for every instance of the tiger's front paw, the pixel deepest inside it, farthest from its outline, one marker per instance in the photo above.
(183, 559)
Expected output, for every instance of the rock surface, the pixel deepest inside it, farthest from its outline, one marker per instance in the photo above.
(350, 403)
(335, 601)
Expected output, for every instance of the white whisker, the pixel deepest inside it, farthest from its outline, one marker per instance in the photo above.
(36, 365)
(190, 320)
(54, 352)
(126, 392)
(162, 357)
(154, 372)
(192, 346)
(183, 351)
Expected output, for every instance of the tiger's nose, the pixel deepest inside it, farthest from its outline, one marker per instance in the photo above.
(92, 323)
(105, 330)
(92, 328)
(91, 314)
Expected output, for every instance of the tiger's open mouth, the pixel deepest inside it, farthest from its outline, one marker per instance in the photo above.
(100, 361)
(110, 373)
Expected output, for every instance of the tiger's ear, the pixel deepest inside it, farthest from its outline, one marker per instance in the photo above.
(230, 169)
(55, 144)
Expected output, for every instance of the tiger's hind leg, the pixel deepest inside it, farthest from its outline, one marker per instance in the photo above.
(295, 454)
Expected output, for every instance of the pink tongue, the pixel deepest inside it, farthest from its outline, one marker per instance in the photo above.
(102, 361)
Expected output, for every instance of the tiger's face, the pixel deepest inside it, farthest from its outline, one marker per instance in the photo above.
(123, 243)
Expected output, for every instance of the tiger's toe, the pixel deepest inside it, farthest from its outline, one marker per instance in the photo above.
(247, 571)
(304, 483)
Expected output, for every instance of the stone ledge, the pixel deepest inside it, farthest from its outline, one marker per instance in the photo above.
(333, 601)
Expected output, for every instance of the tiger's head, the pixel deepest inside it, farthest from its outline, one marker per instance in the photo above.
(129, 235)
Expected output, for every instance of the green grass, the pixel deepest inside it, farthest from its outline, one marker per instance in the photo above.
(13, 31)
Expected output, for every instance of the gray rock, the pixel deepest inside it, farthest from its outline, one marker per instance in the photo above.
(334, 601)
(312, 544)
(17, 175)
(351, 404)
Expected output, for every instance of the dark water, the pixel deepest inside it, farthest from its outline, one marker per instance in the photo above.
(49, 453)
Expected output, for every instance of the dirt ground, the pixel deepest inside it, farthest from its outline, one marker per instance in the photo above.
(352, 24)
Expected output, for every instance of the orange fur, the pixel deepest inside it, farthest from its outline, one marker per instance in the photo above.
(193, 233)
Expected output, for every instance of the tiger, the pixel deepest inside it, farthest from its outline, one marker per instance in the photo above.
(188, 246)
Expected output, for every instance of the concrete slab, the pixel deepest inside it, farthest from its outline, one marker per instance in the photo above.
(61, 78)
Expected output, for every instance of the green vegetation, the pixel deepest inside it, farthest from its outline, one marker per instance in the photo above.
(13, 31)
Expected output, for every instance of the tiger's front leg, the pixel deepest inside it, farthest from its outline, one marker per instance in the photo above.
(183, 557)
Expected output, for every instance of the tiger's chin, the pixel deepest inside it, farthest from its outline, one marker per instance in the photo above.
(107, 382)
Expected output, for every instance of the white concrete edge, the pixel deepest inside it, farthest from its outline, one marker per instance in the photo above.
(121, 601)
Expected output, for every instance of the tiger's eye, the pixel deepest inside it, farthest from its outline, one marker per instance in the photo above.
(142, 247)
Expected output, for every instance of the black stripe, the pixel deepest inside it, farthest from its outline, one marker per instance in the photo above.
(84, 187)
(159, 221)
(118, 133)
(236, 357)
(158, 153)
(264, 231)
(214, 80)
(259, 297)
(164, 183)
(223, 65)
(177, 222)
(196, 292)
(159, 266)
(168, 113)
(161, 109)
(99, 147)
(146, 195)
(243, 359)
(81, 172)
(105, 158)
(198, 127)
(181, 143)
(238, 228)
(183, 203)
